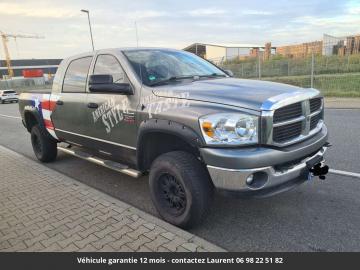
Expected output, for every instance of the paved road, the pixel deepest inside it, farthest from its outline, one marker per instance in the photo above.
(43, 210)
(317, 216)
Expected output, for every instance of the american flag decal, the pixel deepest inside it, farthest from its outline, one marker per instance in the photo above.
(46, 104)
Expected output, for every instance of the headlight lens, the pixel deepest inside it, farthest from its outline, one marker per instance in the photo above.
(229, 128)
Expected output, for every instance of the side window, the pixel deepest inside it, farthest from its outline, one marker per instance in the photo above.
(76, 75)
(108, 64)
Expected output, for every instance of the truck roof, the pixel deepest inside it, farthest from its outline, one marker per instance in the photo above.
(90, 53)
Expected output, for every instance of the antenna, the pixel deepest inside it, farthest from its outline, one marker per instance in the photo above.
(137, 37)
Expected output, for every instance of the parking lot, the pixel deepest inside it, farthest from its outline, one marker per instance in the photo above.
(317, 216)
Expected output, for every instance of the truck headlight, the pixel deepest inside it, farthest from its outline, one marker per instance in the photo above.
(229, 128)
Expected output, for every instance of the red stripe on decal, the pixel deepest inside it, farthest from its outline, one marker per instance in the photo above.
(48, 124)
(45, 105)
(48, 105)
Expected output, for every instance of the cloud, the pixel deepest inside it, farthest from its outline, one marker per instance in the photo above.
(354, 10)
(206, 12)
(335, 22)
(146, 14)
(159, 23)
(256, 12)
(36, 10)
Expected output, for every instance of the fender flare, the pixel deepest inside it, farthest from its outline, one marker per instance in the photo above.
(169, 127)
(35, 113)
(39, 119)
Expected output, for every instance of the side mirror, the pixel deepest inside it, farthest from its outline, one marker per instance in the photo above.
(104, 84)
(229, 72)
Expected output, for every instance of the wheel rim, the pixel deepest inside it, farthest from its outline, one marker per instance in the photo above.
(36, 144)
(172, 194)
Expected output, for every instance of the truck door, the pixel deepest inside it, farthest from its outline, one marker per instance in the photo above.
(111, 117)
(70, 111)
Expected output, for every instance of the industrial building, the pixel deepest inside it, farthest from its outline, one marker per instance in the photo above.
(225, 52)
(48, 66)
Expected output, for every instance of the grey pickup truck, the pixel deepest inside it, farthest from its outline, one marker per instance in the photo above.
(184, 121)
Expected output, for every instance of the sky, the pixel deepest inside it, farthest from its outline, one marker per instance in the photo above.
(173, 24)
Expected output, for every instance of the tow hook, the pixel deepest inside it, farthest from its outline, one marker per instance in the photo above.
(317, 166)
(319, 170)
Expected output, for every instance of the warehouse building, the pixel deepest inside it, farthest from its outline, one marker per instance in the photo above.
(225, 52)
(48, 66)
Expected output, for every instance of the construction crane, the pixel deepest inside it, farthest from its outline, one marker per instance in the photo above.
(5, 39)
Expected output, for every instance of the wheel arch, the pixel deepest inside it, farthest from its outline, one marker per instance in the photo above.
(157, 136)
(31, 118)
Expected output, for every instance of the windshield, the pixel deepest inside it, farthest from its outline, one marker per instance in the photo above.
(154, 66)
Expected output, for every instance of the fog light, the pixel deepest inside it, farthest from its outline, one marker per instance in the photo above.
(249, 179)
(257, 180)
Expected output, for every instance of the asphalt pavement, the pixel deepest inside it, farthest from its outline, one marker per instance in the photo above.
(317, 216)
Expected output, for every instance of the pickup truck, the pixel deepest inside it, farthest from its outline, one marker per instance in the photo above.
(184, 121)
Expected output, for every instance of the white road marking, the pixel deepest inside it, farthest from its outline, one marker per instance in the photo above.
(345, 173)
(9, 116)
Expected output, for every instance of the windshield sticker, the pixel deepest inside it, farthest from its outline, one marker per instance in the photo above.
(111, 114)
(152, 77)
(156, 104)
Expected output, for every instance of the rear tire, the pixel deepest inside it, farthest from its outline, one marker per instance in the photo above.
(44, 147)
(180, 188)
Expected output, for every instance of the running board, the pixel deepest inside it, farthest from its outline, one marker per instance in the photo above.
(102, 162)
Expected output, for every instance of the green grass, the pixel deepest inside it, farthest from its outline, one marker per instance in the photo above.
(331, 85)
(336, 76)
(292, 67)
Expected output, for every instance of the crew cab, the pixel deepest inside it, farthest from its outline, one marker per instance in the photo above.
(184, 121)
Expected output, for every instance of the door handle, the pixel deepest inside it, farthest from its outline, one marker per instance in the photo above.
(92, 105)
(59, 102)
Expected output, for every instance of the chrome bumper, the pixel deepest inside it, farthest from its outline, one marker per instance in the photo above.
(272, 179)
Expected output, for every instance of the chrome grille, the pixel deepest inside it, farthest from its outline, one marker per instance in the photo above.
(287, 112)
(294, 122)
(315, 104)
(314, 121)
(287, 132)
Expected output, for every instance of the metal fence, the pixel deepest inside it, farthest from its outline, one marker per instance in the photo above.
(333, 75)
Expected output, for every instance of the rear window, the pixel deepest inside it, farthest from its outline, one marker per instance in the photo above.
(76, 75)
(9, 92)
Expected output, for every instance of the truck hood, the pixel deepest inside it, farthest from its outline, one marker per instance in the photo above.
(250, 94)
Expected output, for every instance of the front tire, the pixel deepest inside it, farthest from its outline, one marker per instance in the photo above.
(44, 147)
(180, 188)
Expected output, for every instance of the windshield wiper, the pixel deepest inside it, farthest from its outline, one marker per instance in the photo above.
(171, 79)
(212, 75)
(194, 77)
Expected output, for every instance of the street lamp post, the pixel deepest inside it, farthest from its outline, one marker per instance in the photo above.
(88, 14)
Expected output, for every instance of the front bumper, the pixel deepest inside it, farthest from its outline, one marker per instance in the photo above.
(275, 170)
